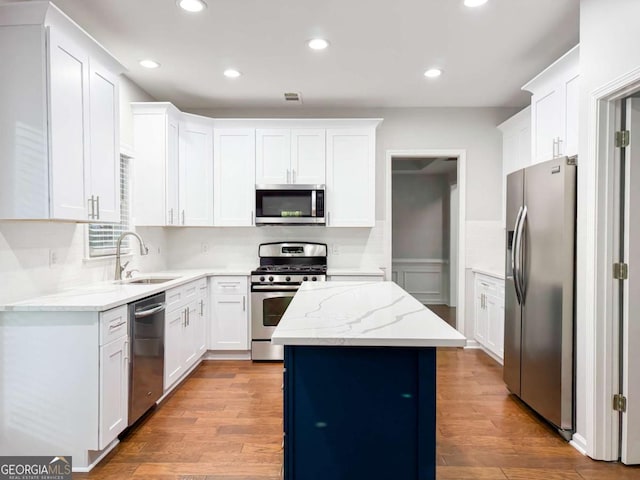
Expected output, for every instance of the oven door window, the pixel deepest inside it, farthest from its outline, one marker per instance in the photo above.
(273, 309)
(283, 203)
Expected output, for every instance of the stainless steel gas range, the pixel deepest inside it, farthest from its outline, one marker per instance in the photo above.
(283, 268)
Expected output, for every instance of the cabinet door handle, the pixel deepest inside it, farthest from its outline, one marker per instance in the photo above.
(288, 175)
(328, 219)
(202, 308)
(251, 220)
(244, 303)
(114, 326)
(92, 208)
(98, 206)
(293, 176)
(559, 146)
(171, 216)
(182, 217)
(126, 352)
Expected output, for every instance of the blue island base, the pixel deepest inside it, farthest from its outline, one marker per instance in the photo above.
(354, 413)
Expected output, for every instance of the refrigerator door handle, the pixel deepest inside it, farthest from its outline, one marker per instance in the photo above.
(514, 266)
(518, 275)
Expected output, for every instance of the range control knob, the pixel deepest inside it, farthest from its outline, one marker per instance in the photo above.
(304, 279)
(288, 279)
(271, 279)
(262, 279)
(313, 279)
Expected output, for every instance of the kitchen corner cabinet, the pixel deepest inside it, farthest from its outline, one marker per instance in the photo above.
(290, 156)
(554, 108)
(185, 329)
(173, 168)
(59, 132)
(230, 314)
(351, 167)
(234, 151)
(489, 314)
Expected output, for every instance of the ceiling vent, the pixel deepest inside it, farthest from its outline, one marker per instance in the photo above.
(292, 97)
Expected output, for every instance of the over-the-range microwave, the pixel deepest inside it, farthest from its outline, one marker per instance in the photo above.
(290, 205)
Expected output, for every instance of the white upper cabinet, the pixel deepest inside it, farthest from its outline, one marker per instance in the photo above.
(69, 115)
(234, 151)
(59, 134)
(273, 156)
(290, 156)
(554, 108)
(104, 140)
(196, 171)
(156, 169)
(351, 157)
(308, 152)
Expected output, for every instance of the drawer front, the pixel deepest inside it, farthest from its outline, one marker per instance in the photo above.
(174, 297)
(114, 324)
(230, 285)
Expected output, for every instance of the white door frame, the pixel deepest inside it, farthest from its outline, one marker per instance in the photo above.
(598, 306)
(462, 167)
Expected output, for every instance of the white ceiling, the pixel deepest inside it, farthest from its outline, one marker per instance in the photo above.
(379, 49)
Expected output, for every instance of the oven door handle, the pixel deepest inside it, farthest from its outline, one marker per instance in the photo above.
(276, 288)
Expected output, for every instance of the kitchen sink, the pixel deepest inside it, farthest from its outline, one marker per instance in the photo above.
(147, 280)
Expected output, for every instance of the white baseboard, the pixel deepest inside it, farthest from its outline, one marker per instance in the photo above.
(97, 460)
(579, 443)
(228, 355)
(471, 344)
(179, 381)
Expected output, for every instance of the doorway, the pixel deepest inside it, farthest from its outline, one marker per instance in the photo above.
(425, 228)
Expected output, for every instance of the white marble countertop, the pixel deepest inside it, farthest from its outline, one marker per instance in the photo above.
(490, 272)
(371, 271)
(98, 297)
(362, 314)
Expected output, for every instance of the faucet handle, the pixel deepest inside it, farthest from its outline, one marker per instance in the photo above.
(122, 267)
(129, 273)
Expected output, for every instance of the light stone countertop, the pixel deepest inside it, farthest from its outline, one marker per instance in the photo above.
(489, 272)
(371, 271)
(101, 296)
(362, 314)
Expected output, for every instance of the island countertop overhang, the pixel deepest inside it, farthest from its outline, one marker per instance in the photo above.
(374, 314)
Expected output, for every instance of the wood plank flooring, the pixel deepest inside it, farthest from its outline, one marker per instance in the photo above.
(225, 423)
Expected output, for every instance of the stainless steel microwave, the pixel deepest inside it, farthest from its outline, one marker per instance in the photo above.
(290, 205)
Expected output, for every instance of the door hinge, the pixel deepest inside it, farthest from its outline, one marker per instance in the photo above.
(619, 403)
(620, 271)
(622, 138)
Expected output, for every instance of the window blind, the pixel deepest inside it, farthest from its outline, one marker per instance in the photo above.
(104, 236)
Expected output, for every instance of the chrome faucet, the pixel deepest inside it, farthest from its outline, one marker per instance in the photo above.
(143, 251)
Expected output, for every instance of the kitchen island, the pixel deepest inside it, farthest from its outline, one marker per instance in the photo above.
(360, 382)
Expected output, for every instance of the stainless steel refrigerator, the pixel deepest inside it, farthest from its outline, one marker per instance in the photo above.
(539, 330)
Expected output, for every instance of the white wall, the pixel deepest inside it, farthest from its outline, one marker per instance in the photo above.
(609, 48)
(420, 216)
(26, 248)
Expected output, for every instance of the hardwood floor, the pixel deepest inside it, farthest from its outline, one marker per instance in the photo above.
(225, 423)
(445, 312)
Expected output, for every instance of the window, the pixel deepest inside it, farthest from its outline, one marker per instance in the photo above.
(104, 236)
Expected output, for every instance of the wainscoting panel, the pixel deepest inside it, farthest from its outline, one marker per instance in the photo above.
(426, 279)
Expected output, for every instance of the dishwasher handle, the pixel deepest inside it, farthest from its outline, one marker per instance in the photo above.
(155, 308)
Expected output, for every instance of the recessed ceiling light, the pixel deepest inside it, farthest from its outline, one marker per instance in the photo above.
(318, 44)
(149, 63)
(231, 73)
(474, 3)
(192, 6)
(433, 73)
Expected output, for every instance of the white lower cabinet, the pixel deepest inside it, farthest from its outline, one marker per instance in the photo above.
(229, 314)
(185, 329)
(114, 394)
(489, 313)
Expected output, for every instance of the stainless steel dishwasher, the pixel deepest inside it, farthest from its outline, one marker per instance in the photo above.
(146, 318)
